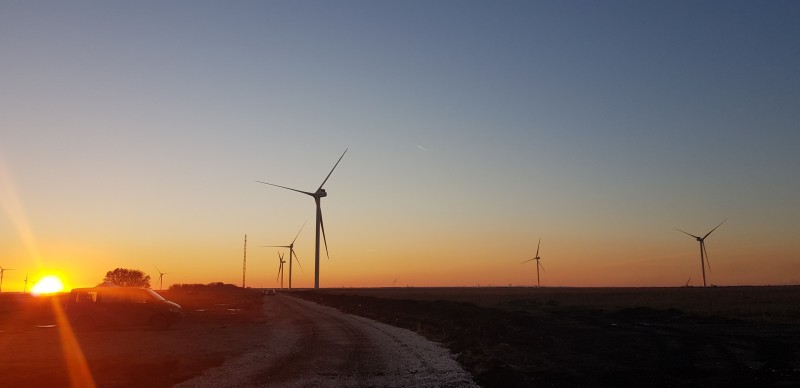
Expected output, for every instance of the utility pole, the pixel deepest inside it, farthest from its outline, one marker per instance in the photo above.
(244, 262)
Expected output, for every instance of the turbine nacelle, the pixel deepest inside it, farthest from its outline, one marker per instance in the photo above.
(320, 193)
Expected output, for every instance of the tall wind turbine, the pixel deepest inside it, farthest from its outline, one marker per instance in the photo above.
(280, 268)
(703, 252)
(538, 264)
(25, 289)
(161, 278)
(291, 253)
(317, 195)
(2, 272)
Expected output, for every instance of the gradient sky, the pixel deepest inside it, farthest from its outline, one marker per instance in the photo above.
(132, 134)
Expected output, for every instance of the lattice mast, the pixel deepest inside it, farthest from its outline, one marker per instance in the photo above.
(244, 263)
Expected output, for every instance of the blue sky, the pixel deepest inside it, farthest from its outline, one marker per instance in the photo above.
(132, 133)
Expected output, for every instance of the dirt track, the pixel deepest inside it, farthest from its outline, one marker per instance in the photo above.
(308, 345)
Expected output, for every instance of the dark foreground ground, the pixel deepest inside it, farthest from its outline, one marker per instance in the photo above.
(220, 323)
(523, 337)
(505, 337)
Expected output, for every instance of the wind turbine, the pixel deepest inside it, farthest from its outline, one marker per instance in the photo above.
(280, 268)
(25, 289)
(538, 264)
(2, 272)
(291, 253)
(317, 195)
(161, 278)
(703, 253)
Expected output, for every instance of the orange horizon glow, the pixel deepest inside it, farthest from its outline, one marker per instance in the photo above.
(448, 260)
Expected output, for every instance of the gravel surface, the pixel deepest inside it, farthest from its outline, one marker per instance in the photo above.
(308, 345)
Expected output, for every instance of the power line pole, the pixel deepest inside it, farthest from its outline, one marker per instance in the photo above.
(244, 262)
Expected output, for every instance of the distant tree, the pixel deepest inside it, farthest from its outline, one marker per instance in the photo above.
(128, 278)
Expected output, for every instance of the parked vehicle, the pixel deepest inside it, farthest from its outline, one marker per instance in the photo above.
(90, 308)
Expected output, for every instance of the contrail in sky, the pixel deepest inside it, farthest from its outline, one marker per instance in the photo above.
(421, 147)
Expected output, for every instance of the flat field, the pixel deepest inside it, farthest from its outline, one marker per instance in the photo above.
(220, 323)
(505, 337)
(595, 337)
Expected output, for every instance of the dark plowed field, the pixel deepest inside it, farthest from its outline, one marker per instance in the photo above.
(721, 337)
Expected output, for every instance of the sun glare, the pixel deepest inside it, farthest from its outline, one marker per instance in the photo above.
(48, 285)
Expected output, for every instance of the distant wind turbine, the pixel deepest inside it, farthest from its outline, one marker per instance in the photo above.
(280, 268)
(538, 264)
(317, 195)
(25, 288)
(703, 253)
(161, 278)
(291, 253)
(2, 272)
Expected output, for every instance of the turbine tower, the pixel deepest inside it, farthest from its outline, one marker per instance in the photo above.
(317, 195)
(2, 272)
(703, 252)
(538, 264)
(161, 278)
(291, 253)
(280, 268)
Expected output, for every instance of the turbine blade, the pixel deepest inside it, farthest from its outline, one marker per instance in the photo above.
(273, 246)
(540, 265)
(715, 228)
(287, 188)
(527, 261)
(298, 232)
(334, 167)
(708, 263)
(322, 225)
(537, 247)
(686, 233)
(297, 259)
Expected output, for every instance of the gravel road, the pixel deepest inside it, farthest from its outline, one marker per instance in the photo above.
(308, 345)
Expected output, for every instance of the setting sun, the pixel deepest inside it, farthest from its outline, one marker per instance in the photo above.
(48, 285)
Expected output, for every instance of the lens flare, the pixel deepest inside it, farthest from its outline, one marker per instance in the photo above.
(48, 285)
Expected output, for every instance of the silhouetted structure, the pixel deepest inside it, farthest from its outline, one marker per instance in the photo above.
(2, 273)
(291, 254)
(703, 252)
(317, 195)
(538, 264)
